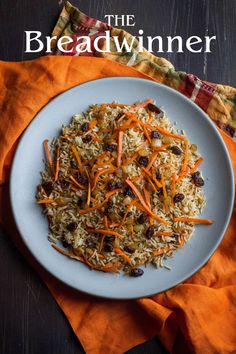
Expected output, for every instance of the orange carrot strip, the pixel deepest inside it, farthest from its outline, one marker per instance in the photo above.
(46, 201)
(92, 123)
(131, 160)
(195, 167)
(89, 187)
(164, 191)
(95, 207)
(77, 157)
(106, 163)
(57, 165)
(142, 105)
(99, 173)
(147, 197)
(165, 132)
(77, 183)
(160, 251)
(185, 163)
(105, 232)
(152, 160)
(126, 213)
(163, 233)
(67, 253)
(158, 184)
(106, 222)
(48, 155)
(109, 194)
(147, 135)
(119, 148)
(142, 201)
(152, 184)
(122, 254)
(173, 187)
(195, 220)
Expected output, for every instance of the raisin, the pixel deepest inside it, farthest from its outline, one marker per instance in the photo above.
(196, 175)
(72, 226)
(176, 150)
(64, 243)
(129, 249)
(73, 163)
(199, 182)
(110, 203)
(178, 197)
(64, 184)
(119, 115)
(136, 272)
(85, 127)
(158, 175)
(111, 147)
(87, 138)
(128, 192)
(111, 185)
(90, 243)
(155, 134)
(82, 179)
(160, 192)
(153, 108)
(109, 238)
(108, 247)
(143, 160)
(79, 202)
(48, 187)
(119, 184)
(142, 219)
(149, 232)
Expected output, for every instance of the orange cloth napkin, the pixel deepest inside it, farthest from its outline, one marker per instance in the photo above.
(198, 316)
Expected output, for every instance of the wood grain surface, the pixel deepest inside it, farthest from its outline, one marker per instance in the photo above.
(30, 320)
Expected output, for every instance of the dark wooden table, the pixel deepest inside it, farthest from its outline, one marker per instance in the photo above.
(30, 320)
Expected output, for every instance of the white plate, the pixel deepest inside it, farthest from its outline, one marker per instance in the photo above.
(217, 171)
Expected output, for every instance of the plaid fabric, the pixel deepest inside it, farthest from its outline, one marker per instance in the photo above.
(218, 101)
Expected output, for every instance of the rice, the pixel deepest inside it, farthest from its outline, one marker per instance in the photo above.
(140, 238)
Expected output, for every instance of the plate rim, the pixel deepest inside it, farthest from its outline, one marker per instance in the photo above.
(186, 99)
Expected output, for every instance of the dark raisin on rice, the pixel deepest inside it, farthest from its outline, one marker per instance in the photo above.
(111, 147)
(198, 181)
(82, 178)
(87, 138)
(73, 163)
(72, 226)
(109, 238)
(176, 150)
(129, 249)
(158, 175)
(108, 247)
(155, 134)
(65, 244)
(178, 197)
(128, 192)
(90, 243)
(136, 272)
(142, 218)
(64, 184)
(79, 202)
(119, 115)
(143, 161)
(153, 108)
(149, 232)
(85, 127)
(48, 187)
(114, 185)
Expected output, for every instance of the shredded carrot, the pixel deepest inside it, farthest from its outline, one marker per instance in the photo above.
(158, 184)
(142, 105)
(163, 233)
(183, 171)
(131, 160)
(195, 167)
(97, 139)
(95, 207)
(152, 160)
(147, 197)
(89, 187)
(160, 251)
(122, 254)
(164, 191)
(109, 194)
(77, 183)
(150, 120)
(105, 163)
(142, 201)
(77, 157)
(67, 253)
(99, 173)
(119, 148)
(165, 132)
(147, 135)
(126, 213)
(48, 155)
(105, 232)
(106, 222)
(173, 186)
(46, 201)
(92, 123)
(195, 220)
(136, 179)
(57, 165)
(152, 184)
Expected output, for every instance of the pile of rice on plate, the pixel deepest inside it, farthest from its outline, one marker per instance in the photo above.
(121, 188)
